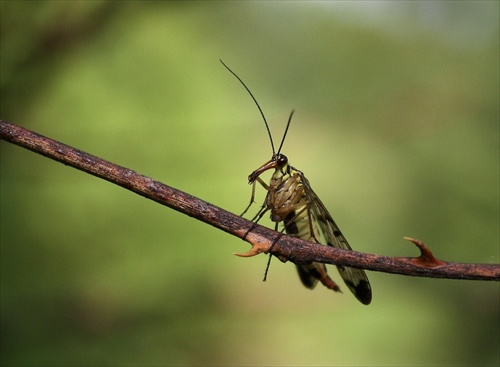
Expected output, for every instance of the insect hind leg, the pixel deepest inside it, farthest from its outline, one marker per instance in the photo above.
(269, 251)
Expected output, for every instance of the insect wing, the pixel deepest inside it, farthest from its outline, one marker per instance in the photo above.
(355, 279)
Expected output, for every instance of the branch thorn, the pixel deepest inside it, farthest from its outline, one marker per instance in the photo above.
(257, 248)
(426, 258)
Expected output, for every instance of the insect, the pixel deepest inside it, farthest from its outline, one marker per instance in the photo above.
(292, 202)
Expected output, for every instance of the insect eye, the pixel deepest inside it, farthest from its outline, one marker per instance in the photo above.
(282, 159)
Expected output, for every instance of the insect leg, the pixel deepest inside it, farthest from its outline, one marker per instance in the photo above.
(263, 209)
(252, 197)
(271, 255)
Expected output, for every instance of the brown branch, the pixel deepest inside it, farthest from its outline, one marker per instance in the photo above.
(261, 238)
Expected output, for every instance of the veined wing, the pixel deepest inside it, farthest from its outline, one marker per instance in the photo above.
(355, 279)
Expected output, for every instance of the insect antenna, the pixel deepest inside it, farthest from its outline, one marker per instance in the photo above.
(258, 106)
(286, 131)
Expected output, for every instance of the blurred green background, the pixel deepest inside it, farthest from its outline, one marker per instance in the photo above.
(397, 129)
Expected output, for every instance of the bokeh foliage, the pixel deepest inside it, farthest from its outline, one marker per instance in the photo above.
(397, 128)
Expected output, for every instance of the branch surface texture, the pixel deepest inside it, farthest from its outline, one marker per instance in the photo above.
(286, 248)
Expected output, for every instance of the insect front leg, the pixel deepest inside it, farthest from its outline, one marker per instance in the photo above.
(263, 209)
(252, 197)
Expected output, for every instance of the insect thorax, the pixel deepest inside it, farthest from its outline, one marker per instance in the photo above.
(286, 196)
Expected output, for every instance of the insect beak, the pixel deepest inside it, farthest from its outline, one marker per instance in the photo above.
(268, 165)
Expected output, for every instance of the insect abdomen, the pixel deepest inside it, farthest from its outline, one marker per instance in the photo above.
(298, 224)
